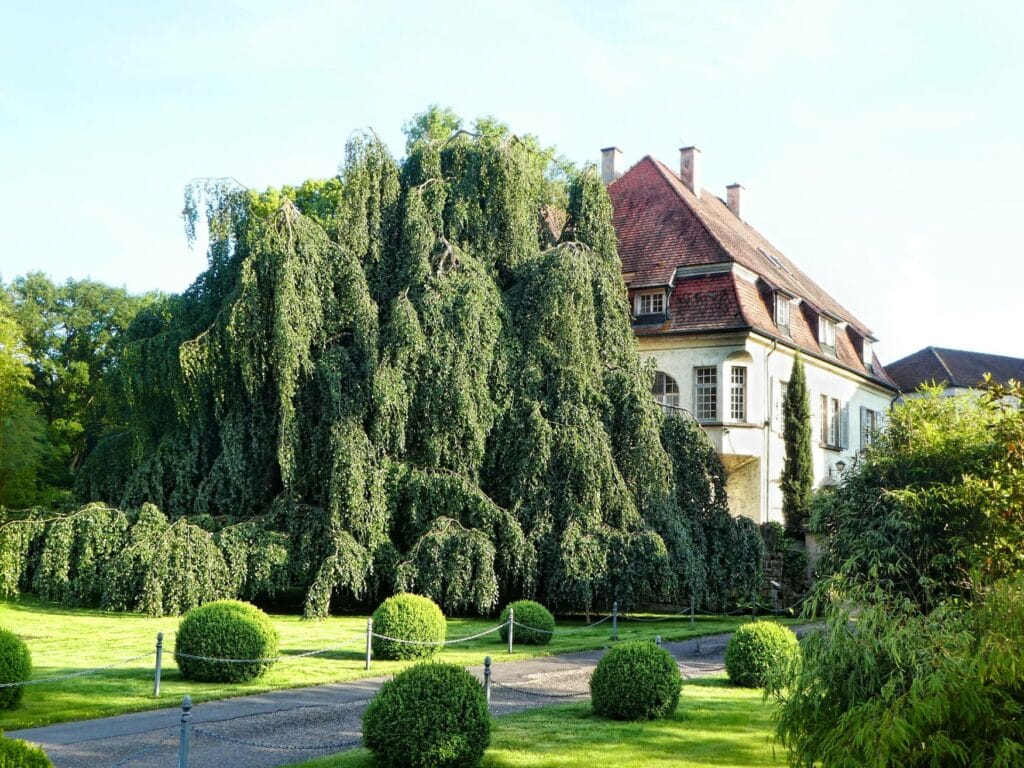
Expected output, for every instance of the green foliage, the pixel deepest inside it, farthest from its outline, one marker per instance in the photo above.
(22, 429)
(429, 716)
(797, 481)
(935, 503)
(539, 623)
(408, 617)
(15, 753)
(15, 666)
(638, 680)
(910, 689)
(758, 651)
(225, 629)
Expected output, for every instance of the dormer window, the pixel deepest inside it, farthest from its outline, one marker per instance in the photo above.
(827, 333)
(782, 307)
(868, 352)
(650, 303)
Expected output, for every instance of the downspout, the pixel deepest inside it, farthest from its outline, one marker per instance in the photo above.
(768, 430)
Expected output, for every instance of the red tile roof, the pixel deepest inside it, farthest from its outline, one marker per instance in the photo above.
(662, 226)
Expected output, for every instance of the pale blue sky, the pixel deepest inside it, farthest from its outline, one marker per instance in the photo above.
(881, 143)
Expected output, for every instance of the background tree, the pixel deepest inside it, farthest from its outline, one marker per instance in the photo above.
(22, 430)
(797, 479)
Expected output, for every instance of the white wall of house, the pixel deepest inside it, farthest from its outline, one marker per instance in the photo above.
(751, 448)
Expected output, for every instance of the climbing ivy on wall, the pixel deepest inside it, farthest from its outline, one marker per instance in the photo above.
(417, 375)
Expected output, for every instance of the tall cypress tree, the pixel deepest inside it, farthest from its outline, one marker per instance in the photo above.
(797, 472)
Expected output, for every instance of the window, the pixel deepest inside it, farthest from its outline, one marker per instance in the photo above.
(827, 332)
(665, 390)
(870, 423)
(651, 303)
(782, 307)
(705, 393)
(738, 394)
(868, 350)
(780, 395)
(830, 426)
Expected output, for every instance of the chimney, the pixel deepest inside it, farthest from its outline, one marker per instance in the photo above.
(733, 193)
(689, 168)
(611, 164)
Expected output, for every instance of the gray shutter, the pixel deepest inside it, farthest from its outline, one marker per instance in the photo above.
(863, 427)
(844, 426)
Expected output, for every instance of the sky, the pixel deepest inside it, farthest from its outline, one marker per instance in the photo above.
(881, 144)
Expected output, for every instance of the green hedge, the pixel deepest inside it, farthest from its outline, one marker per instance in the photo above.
(19, 754)
(15, 666)
(409, 617)
(429, 716)
(758, 650)
(228, 629)
(637, 680)
(533, 615)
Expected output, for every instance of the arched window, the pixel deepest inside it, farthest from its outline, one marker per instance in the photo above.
(665, 390)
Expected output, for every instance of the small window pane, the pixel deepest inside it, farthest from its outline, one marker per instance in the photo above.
(738, 394)
(781, 311)
(706, 393)
(665, 390)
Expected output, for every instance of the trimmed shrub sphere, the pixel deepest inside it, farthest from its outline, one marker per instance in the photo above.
(226, 629)
(432, 715)
(15, 753)
(532, 615)
(409, 617)
(756, 649)
(638, 680)
(15, 666)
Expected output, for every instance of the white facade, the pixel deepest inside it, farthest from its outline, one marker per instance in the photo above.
(746, 427)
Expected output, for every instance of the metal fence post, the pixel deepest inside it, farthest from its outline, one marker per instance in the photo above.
(511, 626)
(692, 606)
(487, 679)
(657, 640)
(186, 731)
(615, 620)
(159, 662)
(369, 640)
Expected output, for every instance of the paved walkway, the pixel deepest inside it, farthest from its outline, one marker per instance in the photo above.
(282, 727)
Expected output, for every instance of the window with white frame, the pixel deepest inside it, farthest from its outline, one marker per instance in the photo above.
(830, 421)
(738, 393)
(827, 331)
(870, 423)
(780, 396)
(782, 307)
(665, 390)
(705, 393)
(650, 303)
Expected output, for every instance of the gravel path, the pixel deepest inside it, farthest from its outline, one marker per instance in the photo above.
(282, 727)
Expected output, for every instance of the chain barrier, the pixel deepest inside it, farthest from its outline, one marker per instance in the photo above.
(540, 694)
(272, 660)
(146, 750)
(80, 673)
(477, 636)
(576, 631)
(265, 745)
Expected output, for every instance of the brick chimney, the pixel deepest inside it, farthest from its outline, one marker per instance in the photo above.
(733, 193)
(689, 168)
(611, 164)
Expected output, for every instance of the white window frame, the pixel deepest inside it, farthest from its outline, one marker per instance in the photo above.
(783, 309)
(705, 393)
(868, 354)
(831, 421)
(826, 331)
(870, 423)
(654, 300)
(665, 390)
(738, 393)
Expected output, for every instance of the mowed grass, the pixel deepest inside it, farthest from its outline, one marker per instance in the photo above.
(66, 640)
(716, 724)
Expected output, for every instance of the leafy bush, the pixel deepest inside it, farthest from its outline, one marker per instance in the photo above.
(15, 753)
(226, 629)
(759, 650)
(535, 616)
(429, 716)
(636, 681)
(910, 689)
(15, 666)
(408, 617)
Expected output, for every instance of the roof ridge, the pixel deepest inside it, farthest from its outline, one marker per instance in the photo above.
(664, 170)
(946, 368)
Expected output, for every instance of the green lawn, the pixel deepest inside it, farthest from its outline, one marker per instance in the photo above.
(715, 725)
(66, 640)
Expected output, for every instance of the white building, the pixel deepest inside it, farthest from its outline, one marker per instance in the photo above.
(721, 313)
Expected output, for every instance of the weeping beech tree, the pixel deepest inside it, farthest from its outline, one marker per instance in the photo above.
(422, 375)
